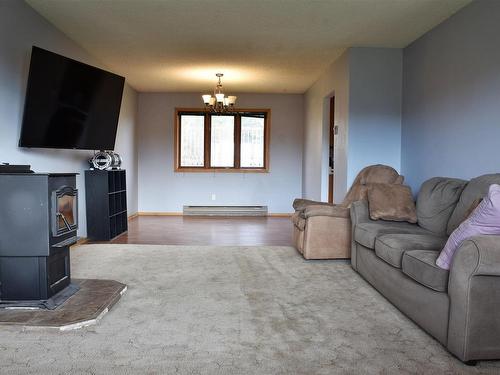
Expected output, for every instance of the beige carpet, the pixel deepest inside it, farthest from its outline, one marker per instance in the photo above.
(230, 310)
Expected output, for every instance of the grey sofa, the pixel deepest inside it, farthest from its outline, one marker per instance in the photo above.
(460, 308)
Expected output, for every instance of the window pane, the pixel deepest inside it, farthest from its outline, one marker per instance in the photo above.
(252, 142)
(192, 141)
(222, 141)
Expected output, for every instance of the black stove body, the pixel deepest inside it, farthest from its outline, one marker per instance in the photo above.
(38, 224)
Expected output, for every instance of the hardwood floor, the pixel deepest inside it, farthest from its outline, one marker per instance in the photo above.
(186, 230)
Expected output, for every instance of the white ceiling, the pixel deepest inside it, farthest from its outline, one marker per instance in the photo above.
(271, 46)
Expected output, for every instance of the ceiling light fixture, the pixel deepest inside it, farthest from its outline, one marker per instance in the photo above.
(219, 103)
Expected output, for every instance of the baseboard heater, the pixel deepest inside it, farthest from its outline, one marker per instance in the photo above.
(225, 210)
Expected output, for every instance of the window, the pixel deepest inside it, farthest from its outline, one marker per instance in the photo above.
(192, 140)
(222, 141)
(252, 142)
(206, 142)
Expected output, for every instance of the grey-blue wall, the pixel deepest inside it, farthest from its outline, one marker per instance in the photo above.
(20, 28)
(366, 83)
(451, 97)
(374, 109)
(163, 190)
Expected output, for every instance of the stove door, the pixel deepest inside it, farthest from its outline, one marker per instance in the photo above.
(65, 211)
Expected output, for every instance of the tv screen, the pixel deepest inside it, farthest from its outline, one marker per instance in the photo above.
(70, 104)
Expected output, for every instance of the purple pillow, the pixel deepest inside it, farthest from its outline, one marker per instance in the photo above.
(485, 219)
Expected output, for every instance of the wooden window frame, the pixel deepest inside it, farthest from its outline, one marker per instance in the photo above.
(207, 142)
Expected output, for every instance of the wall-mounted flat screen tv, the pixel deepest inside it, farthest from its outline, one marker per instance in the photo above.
(70, 104)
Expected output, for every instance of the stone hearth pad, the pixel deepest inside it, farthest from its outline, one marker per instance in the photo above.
(86, 307)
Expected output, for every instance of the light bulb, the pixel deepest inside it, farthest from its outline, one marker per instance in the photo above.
(231, 99)
(206, 98)
(220, 97)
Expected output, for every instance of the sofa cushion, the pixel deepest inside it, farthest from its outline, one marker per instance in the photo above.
(391, 247)
(477, 188)
(436, 201)
(420, 265)
(366, 233)
(391, 202)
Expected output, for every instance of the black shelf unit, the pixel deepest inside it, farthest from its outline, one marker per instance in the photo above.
(106, 201)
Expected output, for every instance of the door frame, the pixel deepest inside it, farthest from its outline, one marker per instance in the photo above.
(331, 150)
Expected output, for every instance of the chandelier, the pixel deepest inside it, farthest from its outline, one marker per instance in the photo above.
(219, 103)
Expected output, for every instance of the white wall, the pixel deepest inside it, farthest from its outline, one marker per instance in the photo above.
(334, 81)
(364, 82)
(126, 145)
(163, 190)
(20, 28)
(367, 84)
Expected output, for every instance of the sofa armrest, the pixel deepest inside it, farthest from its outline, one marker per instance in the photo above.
(474, 291)
(477, 256)
(359, 212)
(301, 204)
(322, 210)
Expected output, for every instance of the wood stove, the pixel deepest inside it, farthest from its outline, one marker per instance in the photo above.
(38, 223)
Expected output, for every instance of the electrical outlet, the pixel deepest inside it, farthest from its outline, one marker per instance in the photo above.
(213, 197)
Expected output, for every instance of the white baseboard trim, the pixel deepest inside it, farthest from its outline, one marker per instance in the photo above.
(167, 213)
